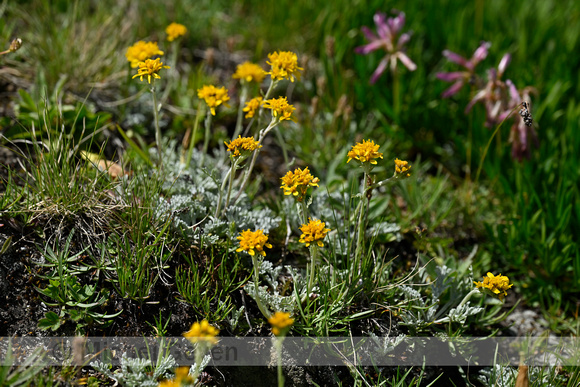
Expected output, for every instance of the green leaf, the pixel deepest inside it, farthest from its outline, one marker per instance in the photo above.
(50, 321)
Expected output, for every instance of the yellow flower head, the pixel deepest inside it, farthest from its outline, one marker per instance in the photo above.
(252, 106)
(141, 51)
(181, 378)
(242, 146)
(280, 108)
(202, 332)
(402, 168)
(296, 183)
(495, 285)
(367, 151)
(249, 72)
(284, 65)
(281, 323)
(253, 240)
(314, 231)
(213, 96)
(174, 31)
(150, 68)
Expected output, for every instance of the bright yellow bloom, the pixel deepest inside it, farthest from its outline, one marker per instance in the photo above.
(181, 377)
(249, 72)
(280, 108)
(253, 240)
(213, 96)
(496, 286)
(174, 31)
(252, 106)
(402, 168)
(150, 68)
(241, 146)
(202, 332)
(281, 323)
(314, 231)
(141, 51)
(284, 65)
(367, 151)
(296, 183)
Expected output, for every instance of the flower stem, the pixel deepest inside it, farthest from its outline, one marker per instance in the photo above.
(199, 352)
(208, 119)
(256, 291)
(231, 182)
(489, 143)
(243, 98)
(313, 256)
(223, 186)
(194, 134)
(360, 227)
(261, 137)
(157, 129)
(396, 95)
(278, 346)
(304, 211)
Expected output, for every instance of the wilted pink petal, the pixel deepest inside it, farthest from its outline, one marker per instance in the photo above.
(481, 53)
(514, 93)
(453, 57)
(450, 77)
(503, 63)
(407, 61)
(492, 75)
(367, 48)
(368, 33)
(503, 115)
(380, 69)
(453, 89)
(403, 39)
(382, 28)
(380, 19)
(397, 23)
(494, 111)
(478, 97)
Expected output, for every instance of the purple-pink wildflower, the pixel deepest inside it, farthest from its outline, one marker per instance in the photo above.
(499, 98)
(387, 38)
(493, 96)
(459, 78)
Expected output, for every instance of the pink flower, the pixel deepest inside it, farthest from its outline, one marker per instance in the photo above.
(387, 38)
(493, 95)
(459, 78)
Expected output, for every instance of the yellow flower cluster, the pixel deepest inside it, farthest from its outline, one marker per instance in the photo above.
(296, 183)
(181, 378)
(280, 108)
(249, 72)
(174, 31)
(281, 323)
(252, 106)
(213, 96)
(150, 68)
(253, 240)
(314, 231)
(284, 65)
(141, 51)
(202, 332)
(242, 146)
(367, 151)
(496, 285)
(402, 168)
